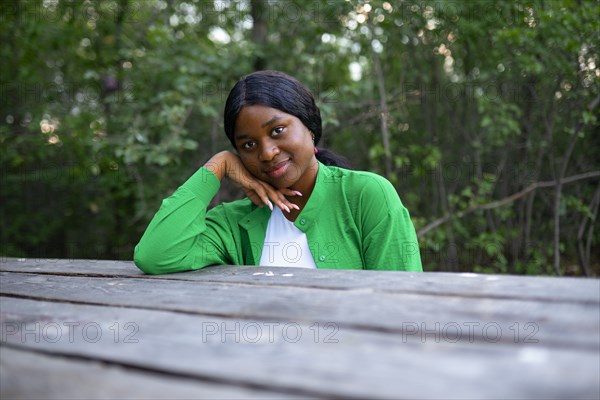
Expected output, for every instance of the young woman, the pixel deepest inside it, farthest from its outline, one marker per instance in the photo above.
(302, 208)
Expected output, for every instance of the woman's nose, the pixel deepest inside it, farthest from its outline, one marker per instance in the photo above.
(268, 152)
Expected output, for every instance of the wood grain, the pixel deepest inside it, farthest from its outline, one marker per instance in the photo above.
(360, 364)
(565, 324)
(544, 289)
(27, 374)
(85, 329)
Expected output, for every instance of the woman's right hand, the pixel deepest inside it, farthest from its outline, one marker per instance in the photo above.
(229, 164)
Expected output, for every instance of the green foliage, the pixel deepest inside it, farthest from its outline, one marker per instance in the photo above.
(107, 106)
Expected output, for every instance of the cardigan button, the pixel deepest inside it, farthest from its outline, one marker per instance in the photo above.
(302, 221)
(322, 258)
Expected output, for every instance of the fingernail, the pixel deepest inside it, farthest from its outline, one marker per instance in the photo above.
(287, 209)
(296, 207)
(270, 205)
(297, 193)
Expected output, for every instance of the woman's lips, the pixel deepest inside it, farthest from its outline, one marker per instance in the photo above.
(278, 170)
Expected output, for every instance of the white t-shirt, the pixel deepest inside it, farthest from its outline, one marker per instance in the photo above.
(285, 245)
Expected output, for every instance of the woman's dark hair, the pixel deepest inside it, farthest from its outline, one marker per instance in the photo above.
(278, 90)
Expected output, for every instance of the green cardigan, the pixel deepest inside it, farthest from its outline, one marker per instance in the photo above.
(352, 220)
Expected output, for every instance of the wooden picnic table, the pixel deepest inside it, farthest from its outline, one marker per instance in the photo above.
(102, 329)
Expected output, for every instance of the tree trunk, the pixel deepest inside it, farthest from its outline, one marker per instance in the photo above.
(558, 192)
(384, 116)
(259, 32)
(583, 252)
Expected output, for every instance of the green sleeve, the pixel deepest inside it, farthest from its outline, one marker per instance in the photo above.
(389, 237)
(179, 238)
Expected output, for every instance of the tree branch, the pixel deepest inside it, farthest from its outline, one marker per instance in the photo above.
(506, 200)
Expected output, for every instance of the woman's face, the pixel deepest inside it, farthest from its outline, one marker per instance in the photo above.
(276, 147)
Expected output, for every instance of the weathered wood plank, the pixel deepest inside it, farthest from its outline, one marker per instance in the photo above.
(72, 266)
(27, 374)
(568, 325)
(544, 289)
(360, 364)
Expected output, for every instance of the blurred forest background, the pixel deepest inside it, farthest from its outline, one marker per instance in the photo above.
(483, 114)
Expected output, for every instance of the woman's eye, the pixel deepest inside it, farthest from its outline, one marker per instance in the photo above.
(248, 145)
(277, 130)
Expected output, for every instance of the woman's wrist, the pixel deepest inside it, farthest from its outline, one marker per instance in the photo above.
(218, 164)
